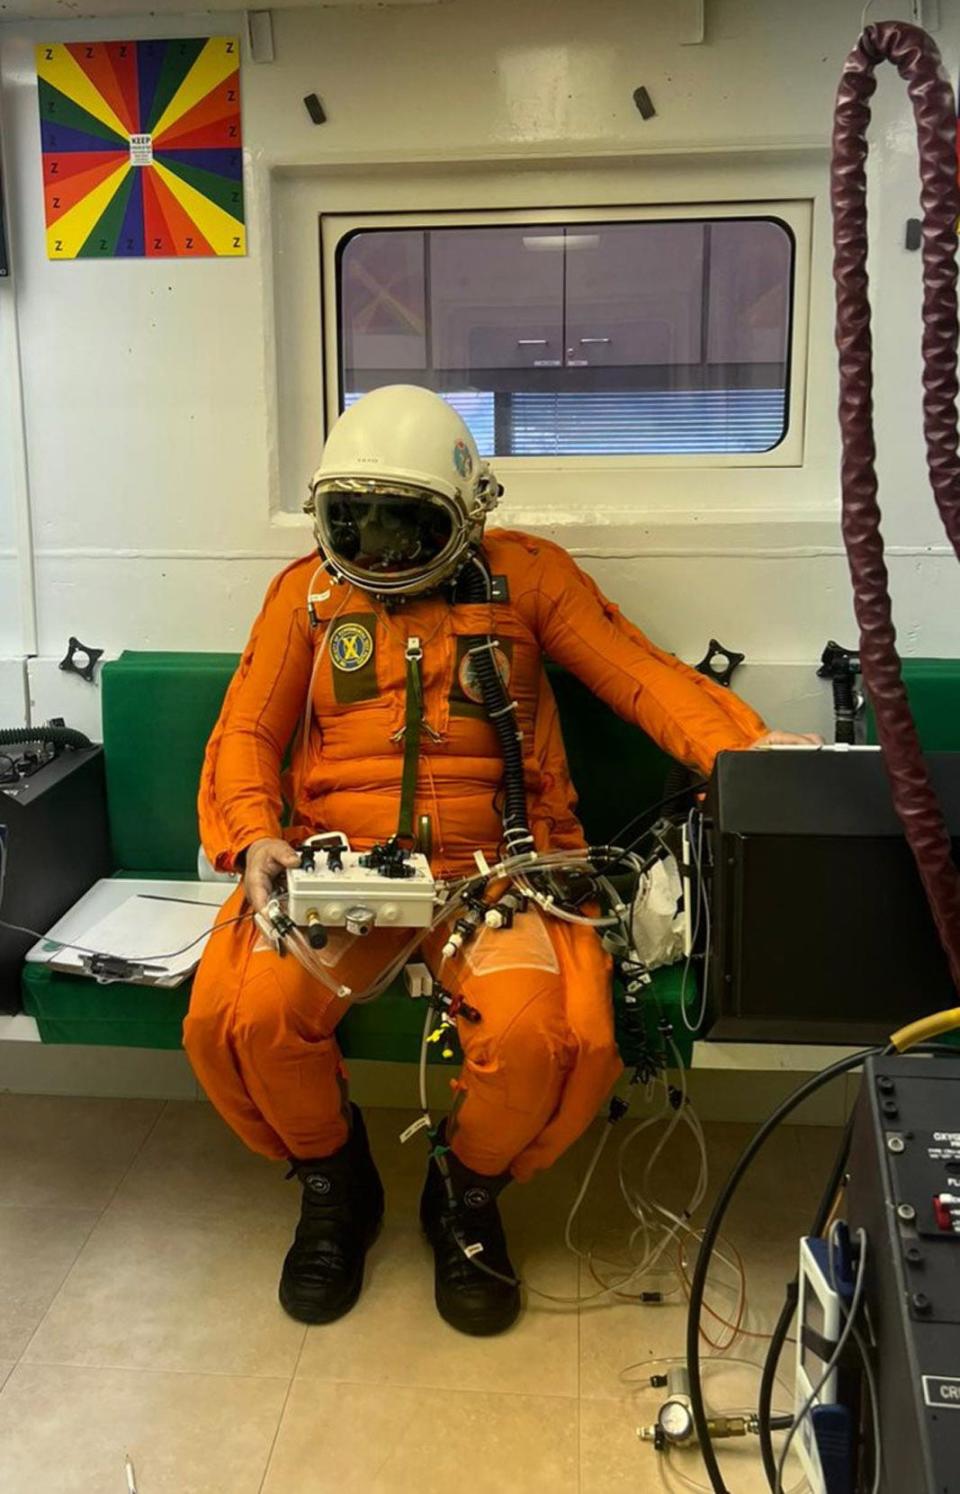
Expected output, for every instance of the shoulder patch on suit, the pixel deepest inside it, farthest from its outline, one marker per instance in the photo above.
(353, 654)
(351, 646)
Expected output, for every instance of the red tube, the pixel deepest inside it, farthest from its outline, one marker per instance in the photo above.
(918, 61)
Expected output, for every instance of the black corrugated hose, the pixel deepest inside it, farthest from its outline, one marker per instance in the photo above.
(474, 584)
(59, 736)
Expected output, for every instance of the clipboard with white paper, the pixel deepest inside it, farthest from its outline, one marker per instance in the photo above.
(165, 927)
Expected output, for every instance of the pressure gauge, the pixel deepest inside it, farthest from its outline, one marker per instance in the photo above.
(675, 1421)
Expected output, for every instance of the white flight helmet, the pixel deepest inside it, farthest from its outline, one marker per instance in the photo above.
(401, 492)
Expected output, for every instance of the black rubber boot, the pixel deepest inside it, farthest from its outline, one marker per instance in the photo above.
(467, 1297)
(340, 1216)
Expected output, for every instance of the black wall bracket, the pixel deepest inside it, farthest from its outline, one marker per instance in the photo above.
(81, 659)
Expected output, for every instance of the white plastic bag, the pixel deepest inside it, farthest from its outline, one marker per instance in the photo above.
(658, 915)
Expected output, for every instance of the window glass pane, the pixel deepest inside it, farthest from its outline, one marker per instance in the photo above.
(382, 304)
(749, 292)
(647, 422)
(634, 295)
(580, 339)
(496, 302)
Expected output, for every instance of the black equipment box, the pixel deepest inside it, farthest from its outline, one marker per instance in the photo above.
(54, 827)
(821, 930)
(904, 1170)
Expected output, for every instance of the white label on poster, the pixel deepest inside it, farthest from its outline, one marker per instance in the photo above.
(141, 150)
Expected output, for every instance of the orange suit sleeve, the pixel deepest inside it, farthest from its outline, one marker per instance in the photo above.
(240, 796)
(689, 716)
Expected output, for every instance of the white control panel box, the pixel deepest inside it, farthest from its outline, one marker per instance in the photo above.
(360, 898)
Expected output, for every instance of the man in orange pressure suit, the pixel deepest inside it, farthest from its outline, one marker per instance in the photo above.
(400, 502)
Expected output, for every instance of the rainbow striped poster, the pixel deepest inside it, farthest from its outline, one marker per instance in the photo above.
(142, 148)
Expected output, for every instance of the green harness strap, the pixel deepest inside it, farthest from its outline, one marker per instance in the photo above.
(411, 739)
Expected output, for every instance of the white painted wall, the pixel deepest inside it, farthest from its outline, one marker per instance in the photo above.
(168, 406)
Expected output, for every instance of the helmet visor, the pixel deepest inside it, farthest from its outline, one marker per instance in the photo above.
(387, 533)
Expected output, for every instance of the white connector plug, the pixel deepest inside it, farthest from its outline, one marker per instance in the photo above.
(419, 981)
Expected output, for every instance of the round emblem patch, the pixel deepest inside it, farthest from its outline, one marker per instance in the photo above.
(462, 459)
(476, 1198)
(351, 646)
(467, 674)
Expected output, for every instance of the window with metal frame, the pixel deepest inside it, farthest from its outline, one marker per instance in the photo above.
(656, 336)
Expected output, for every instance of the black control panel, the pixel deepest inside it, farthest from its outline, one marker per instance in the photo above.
(821, 931)
(56, 843)
(904, 1191)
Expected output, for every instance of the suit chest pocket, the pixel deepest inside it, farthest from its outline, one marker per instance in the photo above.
(516, 655)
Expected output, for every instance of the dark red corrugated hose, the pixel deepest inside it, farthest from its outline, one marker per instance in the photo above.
(918, 61)
(916, 58)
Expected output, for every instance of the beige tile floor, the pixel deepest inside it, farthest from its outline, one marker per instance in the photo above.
(139, 1251)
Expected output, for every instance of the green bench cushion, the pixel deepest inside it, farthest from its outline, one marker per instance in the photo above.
(71, 1010)
(933, 686)
(616, 768)
(158, 711)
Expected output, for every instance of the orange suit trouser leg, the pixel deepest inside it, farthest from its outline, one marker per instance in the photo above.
(541, 1059)
(260, 1036)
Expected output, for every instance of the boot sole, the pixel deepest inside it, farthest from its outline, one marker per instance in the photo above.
(320, 1318)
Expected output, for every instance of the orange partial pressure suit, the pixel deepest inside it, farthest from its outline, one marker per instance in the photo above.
(261, 1031)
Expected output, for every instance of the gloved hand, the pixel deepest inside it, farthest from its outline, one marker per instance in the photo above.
(264, 859)
(788, 739)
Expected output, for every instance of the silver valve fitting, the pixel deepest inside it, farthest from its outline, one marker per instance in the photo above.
(359, 920)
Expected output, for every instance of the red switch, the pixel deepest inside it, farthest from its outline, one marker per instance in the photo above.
(946, 1211)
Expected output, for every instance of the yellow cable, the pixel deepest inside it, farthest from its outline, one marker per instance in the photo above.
(926, 1029)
